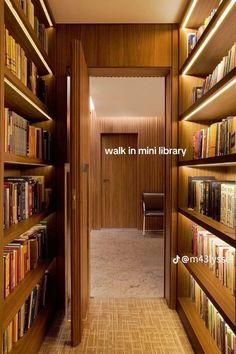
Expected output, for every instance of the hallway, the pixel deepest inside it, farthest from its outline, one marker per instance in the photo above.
(123, 326)
(126, 264)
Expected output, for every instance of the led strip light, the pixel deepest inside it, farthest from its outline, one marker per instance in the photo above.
(15, 14)
(212, 98)
(210, 35)
(45, 10)
(189, 13)
(9, 83)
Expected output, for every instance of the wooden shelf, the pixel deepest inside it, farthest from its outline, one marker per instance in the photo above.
(18, 229)
(222, 106)
(33, 338)
(12, 159)
(223, 232)
(19, 295)
(195, 326)
(201, 11)
(27, 39)
(41, 13)
(21, 98)
(218, 45)
(219, 295)
(216, 160)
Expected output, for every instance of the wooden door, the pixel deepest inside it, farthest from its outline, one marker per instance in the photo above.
(79, 166)
(119, 182)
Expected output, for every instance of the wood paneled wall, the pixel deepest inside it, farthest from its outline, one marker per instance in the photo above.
(150, 168)
(128, 46)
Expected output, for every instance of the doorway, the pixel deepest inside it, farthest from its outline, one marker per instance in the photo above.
(119, 181)
(150, 178)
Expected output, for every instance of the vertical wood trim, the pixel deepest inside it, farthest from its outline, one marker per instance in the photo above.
(80, 159)
(1, 159)
(171, 174)
(76, 330)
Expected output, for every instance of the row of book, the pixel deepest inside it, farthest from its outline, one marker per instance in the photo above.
(218, 328)
(23, 197)
(26, 71)
(213, 198)
(23, 254)
(227, 64)
(26, 315)
(24, 139)
(193, 37)
(217, 140)
(217, 254)
(28, 8)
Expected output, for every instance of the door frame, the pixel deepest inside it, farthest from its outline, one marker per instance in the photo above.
(171, 162)
(171, 138)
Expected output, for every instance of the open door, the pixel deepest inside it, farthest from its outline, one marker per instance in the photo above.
(79, 167)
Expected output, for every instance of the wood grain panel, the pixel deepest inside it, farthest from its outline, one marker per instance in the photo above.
(119, 182)
(115, 45)
(171, 133)
(150, 168)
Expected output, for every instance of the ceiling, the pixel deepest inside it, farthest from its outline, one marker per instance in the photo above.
(128, 97)
(117, 11)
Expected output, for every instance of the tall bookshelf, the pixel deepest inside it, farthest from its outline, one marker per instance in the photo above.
(213, 106)
(20, 99)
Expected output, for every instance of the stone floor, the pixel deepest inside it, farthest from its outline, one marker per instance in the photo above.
(126, 264)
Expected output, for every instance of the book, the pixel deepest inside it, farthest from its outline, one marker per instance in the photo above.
(25, 316)
(217, 140)
(24, 69)
(219, 330)
(215, 199)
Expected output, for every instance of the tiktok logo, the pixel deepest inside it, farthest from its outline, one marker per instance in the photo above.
(176, 260)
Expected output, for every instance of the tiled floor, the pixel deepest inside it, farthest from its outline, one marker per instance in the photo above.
(123, 326)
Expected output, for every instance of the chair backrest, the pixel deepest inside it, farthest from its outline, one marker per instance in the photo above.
(153, 201)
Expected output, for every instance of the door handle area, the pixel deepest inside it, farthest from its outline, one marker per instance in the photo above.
(106, 180)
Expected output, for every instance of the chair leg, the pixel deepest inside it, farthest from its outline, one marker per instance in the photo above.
(143, 224)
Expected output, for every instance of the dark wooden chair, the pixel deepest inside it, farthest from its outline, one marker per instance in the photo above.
(153, 205)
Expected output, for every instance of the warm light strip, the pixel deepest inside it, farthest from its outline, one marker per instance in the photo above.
(207, 39)
(15, 14)
(211, 164)
(9, 83)
(189, 13)
(212, 98)
(45, 10)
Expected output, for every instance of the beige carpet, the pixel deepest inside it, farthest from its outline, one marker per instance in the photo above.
(123, 326)
(126, 264)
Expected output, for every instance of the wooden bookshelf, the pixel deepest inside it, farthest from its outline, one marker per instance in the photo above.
(11, 159)
(223, 232)
(19, 98)
(37, 332)
(216, 160)
(222, 106)
(22, 99)
(41, 13)
(16, 230)
(219, 295)
(14, 301)
(16, 22)
(215, 105)
(200, 12)
(195, 326)
(218, 44)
